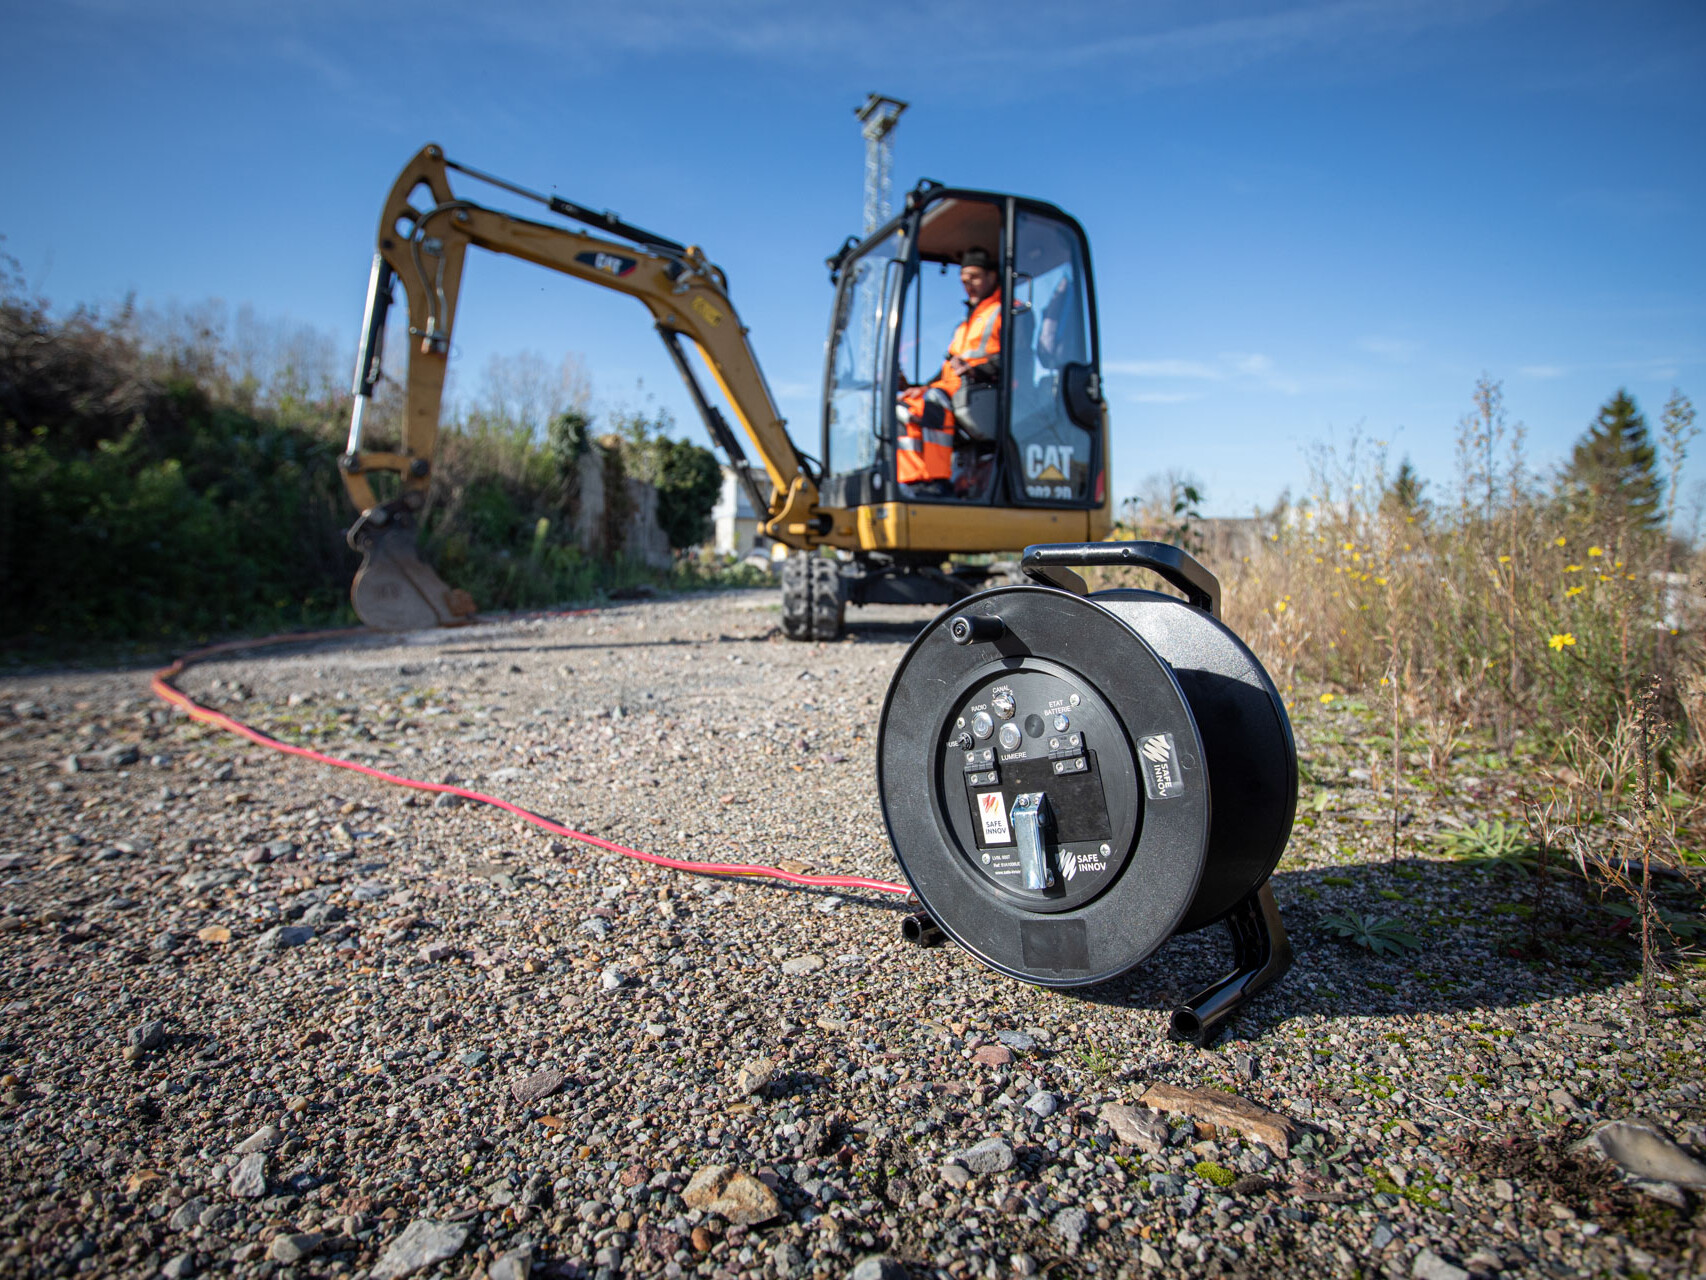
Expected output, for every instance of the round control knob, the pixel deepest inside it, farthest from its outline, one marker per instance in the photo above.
(963, 742)
(1003, 704)
(1062, 722)
(982, 725)
(1009, 737)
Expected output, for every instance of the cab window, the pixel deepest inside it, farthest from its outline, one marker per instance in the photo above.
(1054, 412)
(855, 383)
(933, 307)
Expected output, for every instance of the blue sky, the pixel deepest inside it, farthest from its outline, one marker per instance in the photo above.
(1308, 219)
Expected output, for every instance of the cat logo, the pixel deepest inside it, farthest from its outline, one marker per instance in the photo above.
(709, 314)
(612, 264)
(1048, 462)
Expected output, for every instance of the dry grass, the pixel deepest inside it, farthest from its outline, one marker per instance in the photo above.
(1504, 615)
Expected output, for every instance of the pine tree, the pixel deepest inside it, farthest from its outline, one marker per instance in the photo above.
(1613, 473)
(1403, 494)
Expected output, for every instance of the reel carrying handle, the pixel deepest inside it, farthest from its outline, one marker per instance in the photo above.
(1051, 564)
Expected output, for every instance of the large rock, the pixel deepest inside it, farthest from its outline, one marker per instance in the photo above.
(281, 936)
(754, 1077)
(1228, 1109)
(732, 1194)
(294, 1247)
(992, 1155)
(265, 1138)
(1430, 1266)
(249, 1178)
(188, 1214)
(423, 1244)
(114, 757)
(878, 1266)
(1140, 1126)
(517, 1264)
(541, 1084)
(1645, 1152)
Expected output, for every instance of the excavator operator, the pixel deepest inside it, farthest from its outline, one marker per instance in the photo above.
(925, 457)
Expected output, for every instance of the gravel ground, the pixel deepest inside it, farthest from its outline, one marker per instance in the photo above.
(261, 1016)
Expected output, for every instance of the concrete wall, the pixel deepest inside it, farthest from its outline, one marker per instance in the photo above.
(636, 535)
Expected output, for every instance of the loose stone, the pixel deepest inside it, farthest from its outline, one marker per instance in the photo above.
(423, 1243)
(249, 1178)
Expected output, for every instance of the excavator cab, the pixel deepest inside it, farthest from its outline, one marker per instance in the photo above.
(1030, 433)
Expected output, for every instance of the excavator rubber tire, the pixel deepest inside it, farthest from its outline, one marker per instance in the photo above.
(813, 606)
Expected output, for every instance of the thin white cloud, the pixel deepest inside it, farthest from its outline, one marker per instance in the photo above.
(1162, 369)
(1251, 364)
(1543, 371)
(1390, 348)
(1228, 366)
(1152, 45)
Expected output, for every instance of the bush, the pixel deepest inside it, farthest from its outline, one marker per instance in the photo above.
(154, 491)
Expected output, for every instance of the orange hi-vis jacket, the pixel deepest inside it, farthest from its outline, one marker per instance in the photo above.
(926, 451)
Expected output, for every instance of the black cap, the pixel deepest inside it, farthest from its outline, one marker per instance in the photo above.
(977, 256)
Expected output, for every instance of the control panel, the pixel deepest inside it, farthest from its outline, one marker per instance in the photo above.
(1039, 785)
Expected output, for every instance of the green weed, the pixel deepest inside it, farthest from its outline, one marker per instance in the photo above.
(1381, 935)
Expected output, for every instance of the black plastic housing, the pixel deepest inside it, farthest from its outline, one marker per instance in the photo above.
(1173, 682)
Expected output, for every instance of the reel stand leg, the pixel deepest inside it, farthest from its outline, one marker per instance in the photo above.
(1260, 956)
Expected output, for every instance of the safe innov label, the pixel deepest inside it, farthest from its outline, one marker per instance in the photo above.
(1159, 759)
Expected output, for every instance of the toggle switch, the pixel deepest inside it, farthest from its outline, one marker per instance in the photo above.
(1033, 825)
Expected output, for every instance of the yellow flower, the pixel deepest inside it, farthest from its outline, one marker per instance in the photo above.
(1558, 642)
(1575, 591)
(1279, 606)
(1572, 568)
(1381, 581)
(1502, 559)
(1327, 697)
(1561, 540)
(1596, 551)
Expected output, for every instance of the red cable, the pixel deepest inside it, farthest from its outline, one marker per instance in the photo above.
(162, 686)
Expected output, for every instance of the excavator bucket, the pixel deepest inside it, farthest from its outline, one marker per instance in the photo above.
(395, 590)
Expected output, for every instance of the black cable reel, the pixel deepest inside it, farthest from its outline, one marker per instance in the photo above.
(1070, 779)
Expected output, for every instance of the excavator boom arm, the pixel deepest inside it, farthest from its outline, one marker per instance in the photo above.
(686, 295)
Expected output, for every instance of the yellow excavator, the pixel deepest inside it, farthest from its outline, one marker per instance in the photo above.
(1030, 448)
